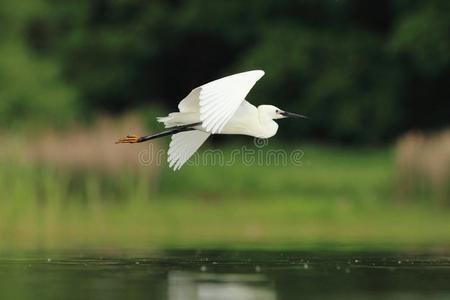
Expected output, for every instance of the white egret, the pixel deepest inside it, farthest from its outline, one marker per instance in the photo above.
(217, 107)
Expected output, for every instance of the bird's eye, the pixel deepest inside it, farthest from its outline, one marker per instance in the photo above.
(277, 111)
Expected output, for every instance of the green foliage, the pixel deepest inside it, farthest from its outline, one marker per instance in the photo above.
(330, 77)
(31, 90)
(423, 36)
(336, 197)
(362, 70)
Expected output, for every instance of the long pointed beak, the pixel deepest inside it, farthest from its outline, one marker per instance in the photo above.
(292, 115)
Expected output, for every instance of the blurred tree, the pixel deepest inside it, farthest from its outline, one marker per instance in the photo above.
(421, 41)
(332, 78)
(31, 91)
(362, 71)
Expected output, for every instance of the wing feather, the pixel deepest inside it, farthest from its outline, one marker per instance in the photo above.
(218, 100)
(209, 111)
(183, 146)
(190, 103)
(217, 113)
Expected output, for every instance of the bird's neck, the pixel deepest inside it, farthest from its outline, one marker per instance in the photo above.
(268, 127)
(264, 118)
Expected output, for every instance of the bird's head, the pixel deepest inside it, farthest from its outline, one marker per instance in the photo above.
(274, 113)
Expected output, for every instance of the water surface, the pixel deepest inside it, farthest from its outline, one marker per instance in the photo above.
(195, 274)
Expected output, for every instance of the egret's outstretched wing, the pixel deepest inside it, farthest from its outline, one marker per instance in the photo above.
(218, 100)
(191, 102)
(183, 146)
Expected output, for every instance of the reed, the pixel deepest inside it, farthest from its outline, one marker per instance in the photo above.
(423, 166)
(78, 190)
(52, 176)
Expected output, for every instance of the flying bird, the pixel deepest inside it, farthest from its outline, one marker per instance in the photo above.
(217, 107)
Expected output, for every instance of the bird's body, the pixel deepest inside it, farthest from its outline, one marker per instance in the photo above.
(247, 120)
(218, 107)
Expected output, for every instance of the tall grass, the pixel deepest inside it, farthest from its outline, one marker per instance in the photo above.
(77, 190)
(423, 166)
(57, 181)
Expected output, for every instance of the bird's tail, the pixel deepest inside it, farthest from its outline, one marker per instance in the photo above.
(179, 119)
(167, 121)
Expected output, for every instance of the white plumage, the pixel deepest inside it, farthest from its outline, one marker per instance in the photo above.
(183, 146)
(217, 107)
(213, 104)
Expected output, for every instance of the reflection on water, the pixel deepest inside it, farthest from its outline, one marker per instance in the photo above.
(185, 275)
(189, 285)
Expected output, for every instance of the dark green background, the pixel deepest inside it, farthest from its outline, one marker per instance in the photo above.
(364, 71)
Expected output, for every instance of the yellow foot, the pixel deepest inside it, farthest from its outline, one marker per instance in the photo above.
(129, 139)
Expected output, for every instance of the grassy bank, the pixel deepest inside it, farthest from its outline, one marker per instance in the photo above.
(330, 196)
